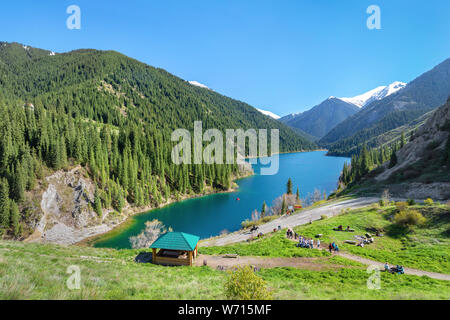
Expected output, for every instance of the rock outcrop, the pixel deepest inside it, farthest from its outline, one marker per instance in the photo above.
(67, 209)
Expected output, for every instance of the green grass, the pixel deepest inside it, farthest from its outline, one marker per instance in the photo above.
(273, 245)
(37, 271)
(290, 283)
(425, 248)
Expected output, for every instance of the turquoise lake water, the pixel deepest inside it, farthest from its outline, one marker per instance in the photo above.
(208, 216)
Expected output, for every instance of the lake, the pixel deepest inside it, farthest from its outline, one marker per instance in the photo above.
(210, 215)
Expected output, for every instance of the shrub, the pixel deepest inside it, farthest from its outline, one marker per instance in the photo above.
(401, 206)
(411, 202)
(244, 284)
(428, 202)
(323, 216)
(409, 218)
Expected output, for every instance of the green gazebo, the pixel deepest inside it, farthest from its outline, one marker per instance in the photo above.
(175, 248)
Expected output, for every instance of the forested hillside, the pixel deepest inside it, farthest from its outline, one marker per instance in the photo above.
(417, 168)
(113, 115)
(420, 96)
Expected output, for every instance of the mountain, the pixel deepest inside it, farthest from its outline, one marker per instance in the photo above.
(270, 114)
(418, 97)
(375, 94)
(85, 139)
(321, 118)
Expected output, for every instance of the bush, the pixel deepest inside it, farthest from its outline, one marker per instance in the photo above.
(323, 217)
(429, 202)
(411, 202)
(401, 206)
(409, 218)
(244, 284)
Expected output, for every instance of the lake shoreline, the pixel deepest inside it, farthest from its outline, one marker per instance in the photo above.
(127, 224)
(128, 220)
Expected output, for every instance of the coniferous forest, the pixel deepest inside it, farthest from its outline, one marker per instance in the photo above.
(113, 115)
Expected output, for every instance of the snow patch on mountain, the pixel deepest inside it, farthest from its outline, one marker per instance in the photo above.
(198, 84)
(270, 114)
(375, 94)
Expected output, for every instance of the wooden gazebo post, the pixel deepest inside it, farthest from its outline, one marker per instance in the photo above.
(153, 255)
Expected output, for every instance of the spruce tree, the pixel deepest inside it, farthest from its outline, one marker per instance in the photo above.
(393, 161)
(4, 204)
(263, 210)
(289, 186)
(97, 204)
(283, 205)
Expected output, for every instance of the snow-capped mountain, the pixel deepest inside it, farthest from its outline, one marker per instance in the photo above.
(375, 94)
(198, 84)
(268, 113)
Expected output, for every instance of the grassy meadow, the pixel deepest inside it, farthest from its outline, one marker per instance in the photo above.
(39, 271)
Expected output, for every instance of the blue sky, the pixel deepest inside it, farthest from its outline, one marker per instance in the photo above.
(283, 56)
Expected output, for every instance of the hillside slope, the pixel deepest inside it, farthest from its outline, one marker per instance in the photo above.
(419, 169)
(110, 118)
(423, 94)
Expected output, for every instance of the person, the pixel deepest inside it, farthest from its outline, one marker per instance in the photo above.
(348, 228)
(330, 247)
(386, 266)
(312, 243)
(340, 227)
(336, 248)
(318, 243)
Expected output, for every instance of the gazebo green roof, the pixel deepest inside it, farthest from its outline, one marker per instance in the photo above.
(176, 241)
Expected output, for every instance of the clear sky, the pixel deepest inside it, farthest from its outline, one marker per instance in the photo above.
(283, 56)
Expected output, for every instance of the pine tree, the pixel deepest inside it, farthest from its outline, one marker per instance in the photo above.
(4, 204)
(98, 204)
(393, 161)
(297, 195)
(289, 186)
(402, 140)
(283, 205)
(263, 210)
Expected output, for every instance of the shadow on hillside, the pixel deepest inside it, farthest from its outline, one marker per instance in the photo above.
(397, 232)
(144, 257)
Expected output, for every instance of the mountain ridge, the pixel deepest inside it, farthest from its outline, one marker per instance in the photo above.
(425, 93)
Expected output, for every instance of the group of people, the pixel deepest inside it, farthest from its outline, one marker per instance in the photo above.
(307, 243)
(302, 241)
(341, 228)
(333, 246)
(394, 269)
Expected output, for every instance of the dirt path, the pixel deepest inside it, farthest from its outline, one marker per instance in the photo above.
(301, 218)
(224, 262)
(434, 275)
